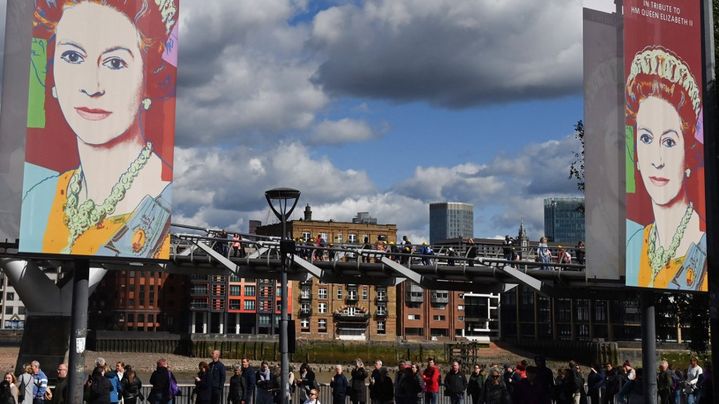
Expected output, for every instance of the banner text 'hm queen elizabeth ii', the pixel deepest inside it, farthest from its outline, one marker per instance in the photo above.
(665, 202)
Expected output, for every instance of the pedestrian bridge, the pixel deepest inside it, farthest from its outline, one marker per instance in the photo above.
(200, 251)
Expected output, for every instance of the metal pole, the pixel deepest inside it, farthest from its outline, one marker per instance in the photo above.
(711, 172)
(649, 349)
(78, 336)
(285, 359)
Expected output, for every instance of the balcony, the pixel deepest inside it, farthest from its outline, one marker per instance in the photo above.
(305, 295)
(414, 297)
(414, 294)
(352, 296)
(381, 311)
(199, 305)
(440, 297)
(198, 291)
(381, 297)
(305, 311)
(352, 314)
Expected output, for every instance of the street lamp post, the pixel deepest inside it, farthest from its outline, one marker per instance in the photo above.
(283, 198)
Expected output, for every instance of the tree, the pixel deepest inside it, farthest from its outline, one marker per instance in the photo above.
(576, 169)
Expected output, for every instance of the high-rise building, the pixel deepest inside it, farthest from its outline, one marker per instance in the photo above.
(449, 220)
(564, 220)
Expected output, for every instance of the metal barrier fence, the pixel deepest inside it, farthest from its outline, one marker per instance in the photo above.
(325, 394)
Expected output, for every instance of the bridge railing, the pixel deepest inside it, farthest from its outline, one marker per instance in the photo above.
(488, 254)
(325, 395)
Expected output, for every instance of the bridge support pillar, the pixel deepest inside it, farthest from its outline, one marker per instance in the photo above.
(204, 322)
(193, 322)
(78, 336)
(649, 348)
(237, 323)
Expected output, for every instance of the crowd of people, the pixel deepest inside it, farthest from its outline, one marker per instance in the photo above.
(413, 383)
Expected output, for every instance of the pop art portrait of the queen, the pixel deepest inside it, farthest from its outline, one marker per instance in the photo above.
(100, 128)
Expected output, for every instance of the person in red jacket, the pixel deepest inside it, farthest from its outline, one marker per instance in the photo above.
(430, 376)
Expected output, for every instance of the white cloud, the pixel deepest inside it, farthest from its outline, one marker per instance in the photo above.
(342, 131)
(244, 73)
(454, 53)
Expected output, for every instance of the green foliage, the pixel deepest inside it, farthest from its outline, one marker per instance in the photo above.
(689, 310)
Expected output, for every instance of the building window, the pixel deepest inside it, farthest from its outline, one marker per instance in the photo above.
(305, 325)
(322, 308)
(235, 290)
(10, 296)
(338, 238)
(234, 278)
(305, 293)
(249, 290)
(460, 307)
(322, 293)
(365, 293)
(439, 317)
(234, 304)
(323, 236)
(413, 317)
(381, 294)
(140, 318)
(381, 327)
(352, 238)
(21, 310)
(264, 319)
(8, 309)
(322, 325)
(305, 307)
(249, 304)
(306, 235)
(339, 292)
(460, 318)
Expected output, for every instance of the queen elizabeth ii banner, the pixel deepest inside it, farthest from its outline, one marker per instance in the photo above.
(665, 202)
(100, 128)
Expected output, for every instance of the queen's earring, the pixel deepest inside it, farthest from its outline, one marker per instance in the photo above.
(54, 92)
(146, 103)
(688, 172)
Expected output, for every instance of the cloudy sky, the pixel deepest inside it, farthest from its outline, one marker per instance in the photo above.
(378, 105)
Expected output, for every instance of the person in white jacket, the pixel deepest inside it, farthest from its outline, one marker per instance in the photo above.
(693, 373)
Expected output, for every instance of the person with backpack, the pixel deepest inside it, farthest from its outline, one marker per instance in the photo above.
(25, 381)
(164, 384)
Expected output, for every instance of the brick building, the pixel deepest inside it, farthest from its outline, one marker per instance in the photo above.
(429, 315)
(341, 311)
(131, 300)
